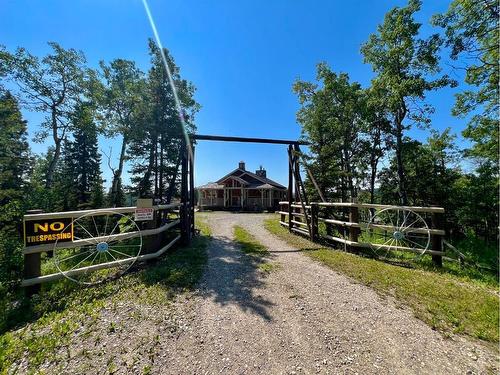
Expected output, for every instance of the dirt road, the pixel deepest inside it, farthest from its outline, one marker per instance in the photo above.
(302, 318)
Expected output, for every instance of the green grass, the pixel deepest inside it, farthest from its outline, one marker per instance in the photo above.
(248, 244)
(445, 301)
(269, 267)
(63, 307)
(255, 249)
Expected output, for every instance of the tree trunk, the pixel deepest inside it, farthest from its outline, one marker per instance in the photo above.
(403, 197)
(348, 171)
(52, 165)
(171, 185)
(57, 152)
(118, 173)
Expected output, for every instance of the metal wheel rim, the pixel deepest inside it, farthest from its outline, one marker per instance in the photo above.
(409, 230)
(94, 254)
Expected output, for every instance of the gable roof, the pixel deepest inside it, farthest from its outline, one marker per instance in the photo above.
(211, 185)
(239, 179)
(241, 173)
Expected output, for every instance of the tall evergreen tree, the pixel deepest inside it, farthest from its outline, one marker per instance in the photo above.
(14, 149)
(155, 146)
(81, 173)
(14, 169)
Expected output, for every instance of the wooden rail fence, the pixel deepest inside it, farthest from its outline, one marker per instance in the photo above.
(350, 218)
(165, 219)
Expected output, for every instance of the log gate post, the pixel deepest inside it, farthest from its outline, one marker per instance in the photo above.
(184, 195)
(290, 186)
(191, 193)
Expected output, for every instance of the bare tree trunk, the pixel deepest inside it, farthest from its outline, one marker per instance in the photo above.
(57, 152)
(342, 178)
(118, 173)
(173, 177)
(348, 171)
(52, 165)
(144, 185)
(403, 197)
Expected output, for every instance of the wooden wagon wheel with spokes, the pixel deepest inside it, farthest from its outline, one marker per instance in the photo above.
(105, 246)
(398, 229)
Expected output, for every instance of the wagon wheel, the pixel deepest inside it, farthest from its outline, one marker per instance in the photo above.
(105, 246)
(398, 229)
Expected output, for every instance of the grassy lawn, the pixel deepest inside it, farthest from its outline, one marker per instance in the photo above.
(447, 302)
(36, 329)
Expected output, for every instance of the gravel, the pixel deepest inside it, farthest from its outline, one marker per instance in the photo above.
(304, 318)
(300, 318)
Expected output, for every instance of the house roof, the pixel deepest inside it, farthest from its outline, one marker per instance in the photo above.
(263, 186)
(247, 178)
(211, 185)
(240, 173)
(235, 178)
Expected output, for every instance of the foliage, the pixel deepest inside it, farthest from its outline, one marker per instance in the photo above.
(155, 146)
(64, 307)
(471, 29)
(52, 85)
(403, 64)
(332, 119)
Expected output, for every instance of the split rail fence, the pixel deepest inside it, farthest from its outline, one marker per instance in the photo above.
(166, 221)
(343, 223)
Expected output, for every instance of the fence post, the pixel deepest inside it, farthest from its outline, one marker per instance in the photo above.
(184, 196)
(32, 264)
(314, 221)
(191, 193)
(353, 231)
(436, 240)
(290, 187)
(32, 268)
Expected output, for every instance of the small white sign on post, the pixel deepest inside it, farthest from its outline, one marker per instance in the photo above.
(144, 214)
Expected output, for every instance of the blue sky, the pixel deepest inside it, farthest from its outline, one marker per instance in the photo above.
(243, 57)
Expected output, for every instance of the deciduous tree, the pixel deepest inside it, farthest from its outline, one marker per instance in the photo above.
(404, 64)
(52, 85)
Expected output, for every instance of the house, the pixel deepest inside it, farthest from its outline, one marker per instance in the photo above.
(242, 190)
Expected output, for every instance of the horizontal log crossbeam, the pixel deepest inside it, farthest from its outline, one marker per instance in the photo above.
(77, 271)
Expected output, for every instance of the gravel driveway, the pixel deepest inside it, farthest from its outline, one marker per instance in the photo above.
(302, 318)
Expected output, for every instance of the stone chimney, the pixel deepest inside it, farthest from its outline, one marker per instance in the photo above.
(261, 172)
(241, 165)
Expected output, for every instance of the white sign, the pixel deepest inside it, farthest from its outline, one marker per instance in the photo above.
(143, 214)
